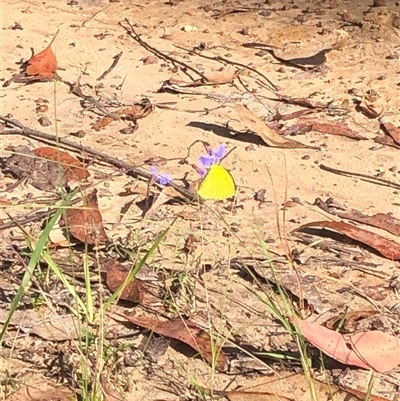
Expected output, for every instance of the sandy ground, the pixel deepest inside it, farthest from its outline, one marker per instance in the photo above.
(90, 36)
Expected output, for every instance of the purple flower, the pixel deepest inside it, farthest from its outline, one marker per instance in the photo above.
(213, 157)
(162, 179)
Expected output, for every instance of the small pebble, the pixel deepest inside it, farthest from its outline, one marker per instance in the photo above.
(44, 121)
(43, 108)
(17, 26)
(128, 130)
(392, 56)
(78, 134)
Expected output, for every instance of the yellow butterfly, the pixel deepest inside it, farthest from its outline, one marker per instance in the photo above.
(217, 184)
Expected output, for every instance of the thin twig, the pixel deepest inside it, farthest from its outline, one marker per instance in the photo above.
(370, 178)
(126, 168)
(37, 216)
(134, 35)
(113, 65)
(225, 60)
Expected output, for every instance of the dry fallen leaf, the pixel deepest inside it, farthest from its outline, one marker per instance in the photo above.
(86, 223)
(44, 324)
(267, 134)
(187, 332)
(369, 350)
(43, 64)
(139, 290)
(37, 388)
(391, 130)
(74, 168)
(285, 386)
(380, 220)
(386, 247)
(371, 109)
(212, 79)
(166, 194)
(330, 127)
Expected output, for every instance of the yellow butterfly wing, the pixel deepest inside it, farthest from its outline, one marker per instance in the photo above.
(217, 184)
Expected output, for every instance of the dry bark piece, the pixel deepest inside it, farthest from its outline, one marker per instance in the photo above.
(86, 223)
(369, 350)
(267, 134)
(187, 332)
(386, 247)
(74, 168)
(391, 130)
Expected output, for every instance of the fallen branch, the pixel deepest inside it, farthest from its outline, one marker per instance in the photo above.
(113, 65)
(365, 177)
(225, 60)
(134, 35)
(126, 168)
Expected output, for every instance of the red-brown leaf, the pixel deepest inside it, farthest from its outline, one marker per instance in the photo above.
(43, 64)
(392, 130)
(86, 223)
(369, 350)
(330, 127)
(187, 332)
(74, 169)
(137, 290)
(386, 247)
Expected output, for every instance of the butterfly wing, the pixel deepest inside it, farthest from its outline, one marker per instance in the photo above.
(217, 184)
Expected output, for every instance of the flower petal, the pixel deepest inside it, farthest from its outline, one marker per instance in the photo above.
(220, 152)
(163, 179)
(206, 161)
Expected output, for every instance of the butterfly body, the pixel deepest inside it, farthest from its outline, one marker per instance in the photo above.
(217, 184)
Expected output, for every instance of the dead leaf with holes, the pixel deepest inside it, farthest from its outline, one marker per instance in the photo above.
(86, 223)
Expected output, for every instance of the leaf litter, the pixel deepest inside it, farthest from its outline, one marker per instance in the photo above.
(334, 281)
